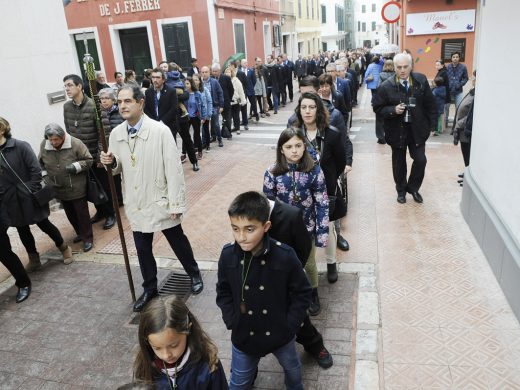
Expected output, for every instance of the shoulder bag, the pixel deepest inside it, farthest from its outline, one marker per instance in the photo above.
(95, 192)
(43, 196)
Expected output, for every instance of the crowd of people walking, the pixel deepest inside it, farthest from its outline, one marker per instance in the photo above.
(267, 286)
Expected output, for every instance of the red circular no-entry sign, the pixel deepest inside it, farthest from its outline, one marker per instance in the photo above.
(391, 12)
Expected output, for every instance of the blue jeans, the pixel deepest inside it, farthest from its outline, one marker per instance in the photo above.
(243, 367)
(215, 124)
(276, 97)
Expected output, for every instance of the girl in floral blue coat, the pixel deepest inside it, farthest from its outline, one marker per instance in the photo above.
(295, 179)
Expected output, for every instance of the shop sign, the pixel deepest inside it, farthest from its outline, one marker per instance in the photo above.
(128, 7)
(440, 22)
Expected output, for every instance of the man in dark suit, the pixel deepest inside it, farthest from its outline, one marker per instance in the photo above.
(161, 104)
(300, 67)
(247, 78)
(287, 73)
(193, 69)
(228, 91)
(287, 226)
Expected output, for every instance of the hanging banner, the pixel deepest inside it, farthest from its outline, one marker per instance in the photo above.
(440, 22)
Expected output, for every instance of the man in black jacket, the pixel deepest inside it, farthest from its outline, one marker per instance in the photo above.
(161, 104)
(79, 116)
(300, 67)
(287, 226)
(228, 90)
(408, 108)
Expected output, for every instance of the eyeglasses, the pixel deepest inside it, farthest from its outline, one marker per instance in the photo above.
(311, 108)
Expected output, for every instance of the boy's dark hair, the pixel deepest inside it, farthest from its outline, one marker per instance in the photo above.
(455, 52)
(438, 81)
(116, 74)
(74, 78)
(310, 81)
(250, 205)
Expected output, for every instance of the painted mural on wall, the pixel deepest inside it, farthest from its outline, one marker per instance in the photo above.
(440, 22)
(427, 48)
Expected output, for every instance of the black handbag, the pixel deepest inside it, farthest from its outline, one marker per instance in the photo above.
(43, 196)
(95, 192)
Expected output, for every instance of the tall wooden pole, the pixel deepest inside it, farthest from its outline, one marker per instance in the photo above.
(91, 76)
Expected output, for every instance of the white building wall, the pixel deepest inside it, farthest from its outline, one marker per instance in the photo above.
(329, 30)
(495, 156)
(35, 54)
(368, 17)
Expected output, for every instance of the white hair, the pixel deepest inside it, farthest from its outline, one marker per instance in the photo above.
(215, 66)
(404, 56)
(340, 67)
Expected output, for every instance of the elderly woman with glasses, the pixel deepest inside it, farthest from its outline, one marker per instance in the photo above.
(110, 117)
(65, 161)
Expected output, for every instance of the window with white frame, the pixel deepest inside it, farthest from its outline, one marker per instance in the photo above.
(239, 36)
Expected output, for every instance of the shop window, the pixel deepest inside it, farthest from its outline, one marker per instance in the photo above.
(450, 46)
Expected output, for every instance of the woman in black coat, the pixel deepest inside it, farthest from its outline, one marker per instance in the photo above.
(22, 176)
(9, 198)
(327, 146)
(442, 72)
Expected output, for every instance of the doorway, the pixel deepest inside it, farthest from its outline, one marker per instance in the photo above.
(177, 43)
(136, 51)
(79, 40)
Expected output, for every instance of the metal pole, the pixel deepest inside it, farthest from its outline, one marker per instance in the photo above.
(91, 76)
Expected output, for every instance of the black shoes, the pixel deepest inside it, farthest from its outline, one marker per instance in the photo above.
(416, 196)
(461, 175)
(401, 198)
(110, 222)
(144, 299)
(323, 358)
(212, 139)
(220, 144)
(197, 285)
(76, 239)
(315, 307)
(96, 218)
(332, 273)
(23, 294)
(196, 167)
(87, 246)
(342, 243)
(381, 141)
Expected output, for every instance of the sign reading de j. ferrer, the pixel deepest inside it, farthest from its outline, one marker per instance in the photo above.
(440, 22)
(128, 7)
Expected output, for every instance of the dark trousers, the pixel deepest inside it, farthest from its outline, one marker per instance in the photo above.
(77, 213)
(181, 247)
(11, 261)
(47, 227)
(184, 132)
(107, 208)
(195, 123)
(465, 148)
(253, 109)
(243, 112)
(417, 153)
(259, 100)
(276, 98)
(226, 117)
(380, 131)
(205, 134)
(235, 113)
(289, 86)
(309, 337)
(215, 125)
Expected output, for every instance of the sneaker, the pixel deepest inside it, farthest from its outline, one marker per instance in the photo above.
(323, 358)
(183, 158)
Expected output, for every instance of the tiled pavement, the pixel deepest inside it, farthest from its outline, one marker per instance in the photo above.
(445, 323)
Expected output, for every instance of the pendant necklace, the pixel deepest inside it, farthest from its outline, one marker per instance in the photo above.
(296, 197)
(171, 381)
(243, 308)
(132, 154)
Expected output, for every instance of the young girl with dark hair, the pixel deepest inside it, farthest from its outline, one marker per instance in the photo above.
(295, 179)
(175, 353)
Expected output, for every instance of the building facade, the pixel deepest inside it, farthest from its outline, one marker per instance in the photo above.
(434, 30)
(33, 66)
(333, 25)
(370, 28)
(288, 23)
(308, 26)
(138, 34)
